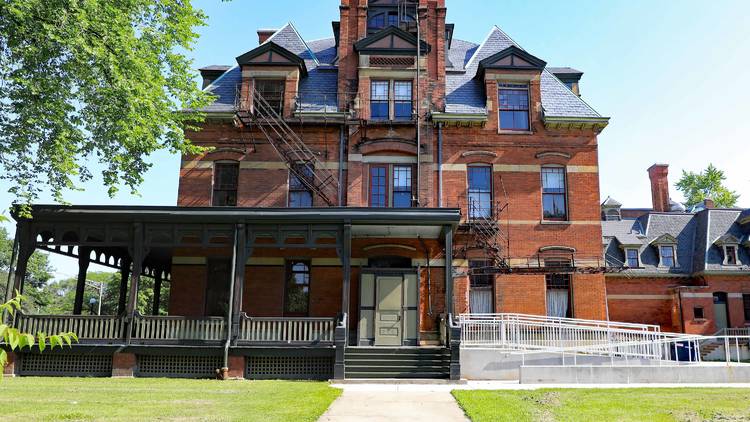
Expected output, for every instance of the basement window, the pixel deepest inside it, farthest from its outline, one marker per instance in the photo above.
(698, 313)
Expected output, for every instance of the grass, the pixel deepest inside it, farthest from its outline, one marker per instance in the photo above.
(85, 399)
(646, 404)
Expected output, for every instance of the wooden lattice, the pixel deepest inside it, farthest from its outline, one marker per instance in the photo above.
(178, 366)
(66, 365)
(290, 367)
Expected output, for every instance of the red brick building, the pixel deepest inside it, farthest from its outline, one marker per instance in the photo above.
(686, 270)
(389, 174)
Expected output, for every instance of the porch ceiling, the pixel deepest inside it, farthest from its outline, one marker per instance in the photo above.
(386, 231)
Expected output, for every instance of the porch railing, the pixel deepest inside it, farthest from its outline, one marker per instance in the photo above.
(178, 328)
(88, 327)
(287, 330)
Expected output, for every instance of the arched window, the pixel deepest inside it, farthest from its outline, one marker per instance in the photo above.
(297, 289)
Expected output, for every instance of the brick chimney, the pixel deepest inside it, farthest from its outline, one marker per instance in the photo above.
(265, 34)
(658, 173)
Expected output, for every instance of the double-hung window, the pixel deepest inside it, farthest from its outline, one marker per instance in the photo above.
(300, 194)
(514, 107)
(297, 291)
(391, 186)
(559, 297)
(391, 100)
(746, 305)
(225, 183)
(480, 191)
(632, 257)
(553, 194)
(666, 253)
(272, 91)
(730, 255)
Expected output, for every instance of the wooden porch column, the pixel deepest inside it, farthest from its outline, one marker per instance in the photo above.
(84, 259)
(124, 275)
(448, 269)
(11, 268)
(157, 292)
(346, 262)
(135, 275)
(26, 246)
(241, 252)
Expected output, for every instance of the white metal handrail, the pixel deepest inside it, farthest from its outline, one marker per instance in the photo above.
(558, 320)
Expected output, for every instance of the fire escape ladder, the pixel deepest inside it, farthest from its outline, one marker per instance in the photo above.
(488, 235)
(297, 156)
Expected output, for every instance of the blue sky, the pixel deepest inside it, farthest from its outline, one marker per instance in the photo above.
(672, 75)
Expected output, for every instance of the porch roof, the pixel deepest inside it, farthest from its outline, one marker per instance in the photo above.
(157, 214)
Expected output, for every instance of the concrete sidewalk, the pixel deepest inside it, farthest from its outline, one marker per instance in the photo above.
(393, 405)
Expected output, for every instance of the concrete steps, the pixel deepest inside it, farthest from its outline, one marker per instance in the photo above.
(397, 363)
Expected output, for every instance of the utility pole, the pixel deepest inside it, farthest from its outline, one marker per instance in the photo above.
(99, 286)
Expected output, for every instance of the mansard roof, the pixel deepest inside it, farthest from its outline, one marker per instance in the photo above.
(391, 41)
(465, 94)
(699, 238)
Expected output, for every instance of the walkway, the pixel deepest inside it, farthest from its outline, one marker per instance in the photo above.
(389, 404)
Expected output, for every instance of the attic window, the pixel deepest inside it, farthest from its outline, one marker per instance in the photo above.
(514, 107)
(730, 255)
(631, 255)
(667, 256)
(612, 214)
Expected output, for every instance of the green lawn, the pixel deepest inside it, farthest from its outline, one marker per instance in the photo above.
(646, 404)
(142, 399)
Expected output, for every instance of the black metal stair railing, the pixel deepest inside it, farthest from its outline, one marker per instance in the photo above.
(302, 161)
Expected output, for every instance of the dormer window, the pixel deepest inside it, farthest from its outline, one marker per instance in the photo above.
(730, 246)
(272, 90)
(632, 258)
(730, 255)
(667, 256)
(391, 100)
(514, 107)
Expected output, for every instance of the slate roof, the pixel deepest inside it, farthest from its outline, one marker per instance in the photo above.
(696, 235)
(464, 92)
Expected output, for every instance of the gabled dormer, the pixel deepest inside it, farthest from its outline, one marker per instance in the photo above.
(611, 210)
(274, 73)
(391, 41)
(512, 80)
(666, 245)
(387, 74)
(729, 246)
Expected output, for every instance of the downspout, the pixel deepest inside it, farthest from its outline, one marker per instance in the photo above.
(419, 130)
(440, 164)
(230, 307)
(341, 165)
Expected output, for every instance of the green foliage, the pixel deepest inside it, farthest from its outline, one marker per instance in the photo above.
(17, 340)
(708, 184)
(94, 81)
(38, 273)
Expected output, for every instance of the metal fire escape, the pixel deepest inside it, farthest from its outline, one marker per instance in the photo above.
(301, 161)
(484, 227)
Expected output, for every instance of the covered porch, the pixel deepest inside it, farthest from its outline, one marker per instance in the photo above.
(221, 313)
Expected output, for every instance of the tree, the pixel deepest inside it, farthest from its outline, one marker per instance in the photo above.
(15, 339)
(93, 81)
(38, 273)
(708, 184)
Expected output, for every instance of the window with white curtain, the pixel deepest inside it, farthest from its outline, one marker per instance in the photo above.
(558, 296)
(481, 291)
